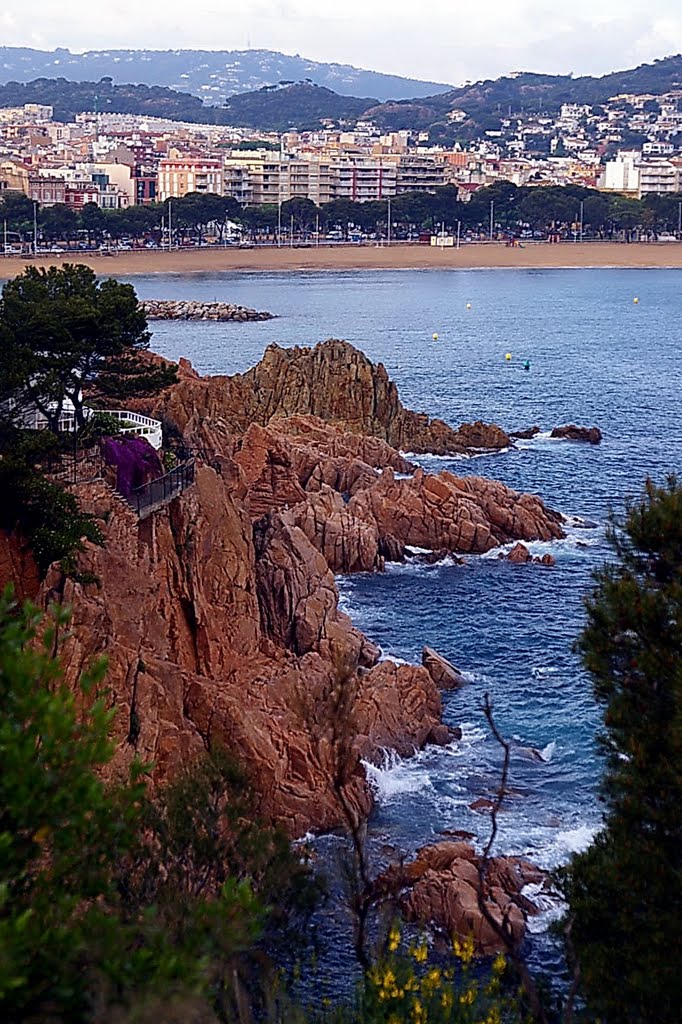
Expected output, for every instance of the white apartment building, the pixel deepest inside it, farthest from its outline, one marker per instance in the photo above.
(658, 175)
(365, 180)
(621, 174)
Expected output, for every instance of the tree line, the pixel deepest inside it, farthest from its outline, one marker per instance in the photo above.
(507, 209)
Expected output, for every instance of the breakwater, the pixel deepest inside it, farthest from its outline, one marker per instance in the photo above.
(170, 309)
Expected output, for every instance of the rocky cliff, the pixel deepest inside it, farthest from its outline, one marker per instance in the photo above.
(219, 613)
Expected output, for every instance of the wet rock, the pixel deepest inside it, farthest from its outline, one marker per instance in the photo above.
(592, 435)
(443, 673)
(441, 888)
(520, 554)
(525, 435)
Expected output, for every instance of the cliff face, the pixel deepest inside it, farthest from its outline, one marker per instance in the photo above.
(219, 613)
(212, 639)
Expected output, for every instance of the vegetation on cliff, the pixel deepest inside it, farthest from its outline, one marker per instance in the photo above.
(109, 893)
(62, 331)
(625, 890)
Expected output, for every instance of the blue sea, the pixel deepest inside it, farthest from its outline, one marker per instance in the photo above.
(597, 357)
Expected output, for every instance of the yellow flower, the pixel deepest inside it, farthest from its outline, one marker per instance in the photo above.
(499, 964)
(393, 939)
(467, 998)
(420, 953)
(418, 1013)
(431, 981)
(464, 950)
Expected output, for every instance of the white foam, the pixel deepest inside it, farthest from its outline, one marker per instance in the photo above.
(547, 753)
(393, 658)
(564, 845)
(395, 777)
(542, 671)
(550, 907)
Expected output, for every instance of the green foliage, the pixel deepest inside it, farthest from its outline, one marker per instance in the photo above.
(624, 892)
(61, 829)
(48, 516)
(100, 424)
(109, 894)
(62, 330)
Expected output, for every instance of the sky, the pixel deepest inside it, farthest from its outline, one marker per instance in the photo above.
(448, 41)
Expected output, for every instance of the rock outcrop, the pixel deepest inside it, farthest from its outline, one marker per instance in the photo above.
(333, 381)
(450, 513)
(520, 554)
(441, 887)
(592, 435)
(443, 672)
(219, 634)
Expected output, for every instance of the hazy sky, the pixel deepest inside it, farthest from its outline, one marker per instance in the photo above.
(442, 40)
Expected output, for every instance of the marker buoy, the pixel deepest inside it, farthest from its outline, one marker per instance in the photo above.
(508, 356)
(468, 305)
(435, 337)
(635, 300)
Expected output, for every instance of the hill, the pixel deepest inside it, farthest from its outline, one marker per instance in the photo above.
(214, 75)
(487, 101)
(272, 108)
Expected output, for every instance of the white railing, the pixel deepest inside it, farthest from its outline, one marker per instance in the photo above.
(143, 426)
(136, 423)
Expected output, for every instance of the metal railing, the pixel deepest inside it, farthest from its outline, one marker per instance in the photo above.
(157, 493)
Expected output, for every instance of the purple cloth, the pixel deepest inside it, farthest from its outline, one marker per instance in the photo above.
(135, 460)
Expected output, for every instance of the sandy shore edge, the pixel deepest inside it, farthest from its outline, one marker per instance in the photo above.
(368, 257)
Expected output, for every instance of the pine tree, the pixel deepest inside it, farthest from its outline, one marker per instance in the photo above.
(625, 892)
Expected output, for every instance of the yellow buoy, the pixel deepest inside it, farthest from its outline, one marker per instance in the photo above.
(468, 305)
(508, 356)
(635, 300)
(435, 337)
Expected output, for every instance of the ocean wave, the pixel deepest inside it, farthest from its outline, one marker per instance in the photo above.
(575, 540)
(384, 656)
(550, 907)
(394, 777)
(472, 453)
(564, 844)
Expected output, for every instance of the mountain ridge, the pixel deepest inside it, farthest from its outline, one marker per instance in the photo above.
(213, 75)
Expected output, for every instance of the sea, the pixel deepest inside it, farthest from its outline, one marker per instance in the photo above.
(605, 349)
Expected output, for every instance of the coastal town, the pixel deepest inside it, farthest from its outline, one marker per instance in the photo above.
(104, 162)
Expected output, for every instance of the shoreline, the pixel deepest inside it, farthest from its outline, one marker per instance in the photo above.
(399, 256)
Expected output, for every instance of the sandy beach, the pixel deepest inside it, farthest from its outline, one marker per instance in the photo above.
(367, 257)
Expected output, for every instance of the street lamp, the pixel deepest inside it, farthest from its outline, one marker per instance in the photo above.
(492, 214)
(35, 228)
(582, 211)
(388, 217)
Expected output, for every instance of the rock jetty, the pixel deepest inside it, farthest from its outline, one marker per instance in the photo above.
(180, 309)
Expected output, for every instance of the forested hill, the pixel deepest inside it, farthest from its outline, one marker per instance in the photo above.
(71, 98)
(272, 108)
(305, 105)
(528, 91)
(214, 75)
(300, 105)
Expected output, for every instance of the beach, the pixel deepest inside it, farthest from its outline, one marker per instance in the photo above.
(398, 256)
